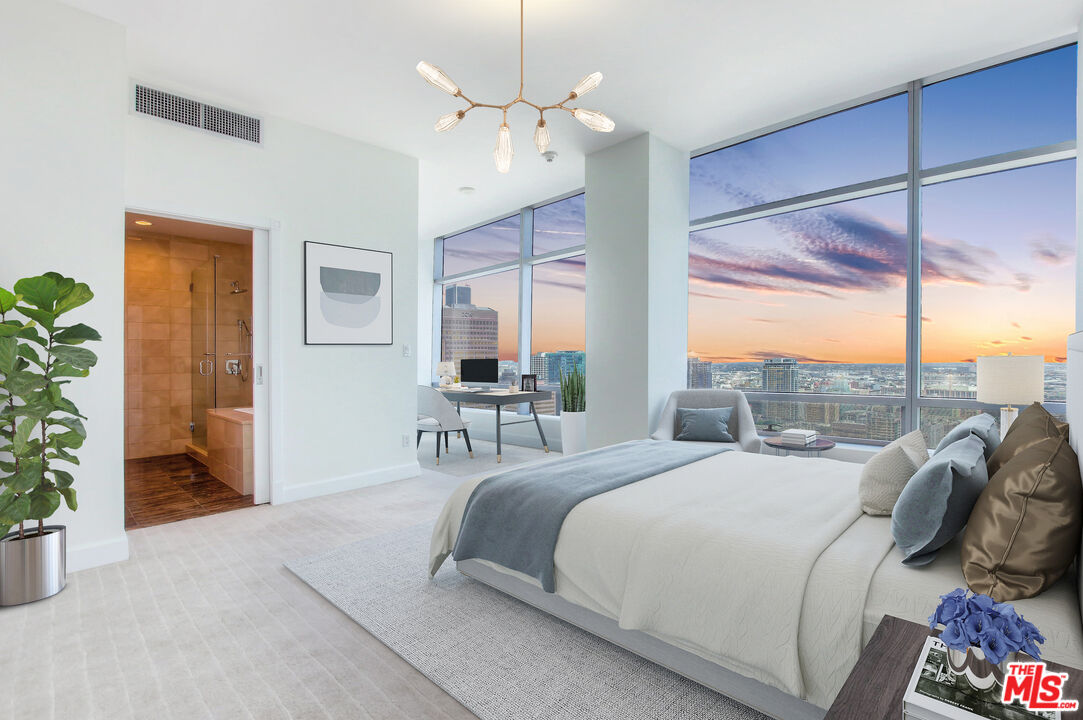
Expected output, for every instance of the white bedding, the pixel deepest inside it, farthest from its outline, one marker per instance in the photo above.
(661, 555)
(764, 565)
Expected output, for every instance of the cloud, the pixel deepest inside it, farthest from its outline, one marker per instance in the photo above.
(1024, 337)
(833, 250)
(1017, 325)
(764, 320)
(731, 298)
(767, 354)
(1050, 250)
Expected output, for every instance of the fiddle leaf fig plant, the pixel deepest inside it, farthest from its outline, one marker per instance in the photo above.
(39, 427)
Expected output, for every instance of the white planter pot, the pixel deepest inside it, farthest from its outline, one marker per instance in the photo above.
(573, 432)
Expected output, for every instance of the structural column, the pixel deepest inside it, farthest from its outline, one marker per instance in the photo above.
(637, 286)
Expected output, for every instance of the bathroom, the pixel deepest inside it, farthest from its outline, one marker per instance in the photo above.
(188, 369)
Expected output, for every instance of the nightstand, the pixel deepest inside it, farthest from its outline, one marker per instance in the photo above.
(875, 688)
(782, 448)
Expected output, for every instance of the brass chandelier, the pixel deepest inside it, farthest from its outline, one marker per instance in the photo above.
(503, 152)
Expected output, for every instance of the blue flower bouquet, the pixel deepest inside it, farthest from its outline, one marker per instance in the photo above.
(982, 636)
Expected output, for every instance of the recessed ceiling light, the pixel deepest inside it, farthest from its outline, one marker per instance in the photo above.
(143, 222)
(466, 190)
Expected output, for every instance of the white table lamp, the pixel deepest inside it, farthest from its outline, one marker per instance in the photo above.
(1008, 380)
(446, 371)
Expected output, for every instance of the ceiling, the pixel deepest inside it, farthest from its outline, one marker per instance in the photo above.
(184, 228)
(694, 72)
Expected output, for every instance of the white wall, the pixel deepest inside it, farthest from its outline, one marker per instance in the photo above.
(62, 92)
(637, 285)
(342, 411)
(74, 159)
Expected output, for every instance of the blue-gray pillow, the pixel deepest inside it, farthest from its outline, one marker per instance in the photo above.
(983, 426)
(936, 503)
(704, 424)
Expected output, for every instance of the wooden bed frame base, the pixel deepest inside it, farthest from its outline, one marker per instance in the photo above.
(768, 700)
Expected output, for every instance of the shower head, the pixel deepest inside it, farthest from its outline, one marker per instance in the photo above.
(237, 289)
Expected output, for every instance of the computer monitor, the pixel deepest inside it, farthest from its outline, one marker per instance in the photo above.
(480, 370)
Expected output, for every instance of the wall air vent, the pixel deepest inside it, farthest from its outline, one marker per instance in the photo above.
(196, 114)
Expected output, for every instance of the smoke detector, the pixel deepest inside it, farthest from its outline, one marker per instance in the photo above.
(466, 190)
(549, 155)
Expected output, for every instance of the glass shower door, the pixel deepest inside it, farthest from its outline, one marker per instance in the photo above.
(203, 349)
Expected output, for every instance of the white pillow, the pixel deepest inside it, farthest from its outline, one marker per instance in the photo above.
(887, 472)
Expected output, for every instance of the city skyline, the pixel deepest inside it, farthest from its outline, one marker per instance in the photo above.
(558, 320)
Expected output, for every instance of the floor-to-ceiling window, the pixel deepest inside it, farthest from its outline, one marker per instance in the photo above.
(515, 289)
(846, 271)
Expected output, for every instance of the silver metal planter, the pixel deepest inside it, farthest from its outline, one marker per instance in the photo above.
(32, 568)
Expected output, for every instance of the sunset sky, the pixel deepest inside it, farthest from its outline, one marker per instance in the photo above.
(559, 295)
(829, 284)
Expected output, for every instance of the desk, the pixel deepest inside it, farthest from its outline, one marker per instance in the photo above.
(499, 399)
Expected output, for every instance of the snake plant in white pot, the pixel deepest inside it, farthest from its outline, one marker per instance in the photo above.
(39, 429)
(573, 415)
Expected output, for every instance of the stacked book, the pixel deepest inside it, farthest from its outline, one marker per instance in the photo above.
(798, 438)
(937, 693)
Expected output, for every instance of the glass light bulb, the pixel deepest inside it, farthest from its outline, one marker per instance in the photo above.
(587, 84)
(446, 122)
(437, 78)
(595, 120)
(503, 152)
(541, 136)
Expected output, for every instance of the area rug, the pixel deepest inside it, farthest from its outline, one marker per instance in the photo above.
(499, 657)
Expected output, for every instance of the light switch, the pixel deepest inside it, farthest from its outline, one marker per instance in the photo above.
(406, 350)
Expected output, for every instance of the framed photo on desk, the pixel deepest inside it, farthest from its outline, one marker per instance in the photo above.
(529, 383)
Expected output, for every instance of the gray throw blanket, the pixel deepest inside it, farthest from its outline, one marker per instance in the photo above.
(514, 518)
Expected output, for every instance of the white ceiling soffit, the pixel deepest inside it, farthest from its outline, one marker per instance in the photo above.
(694, 72)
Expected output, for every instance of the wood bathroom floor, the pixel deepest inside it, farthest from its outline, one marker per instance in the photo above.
(168, 488)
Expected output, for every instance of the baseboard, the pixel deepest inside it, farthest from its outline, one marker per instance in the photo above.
(318, 488)
(103, 552)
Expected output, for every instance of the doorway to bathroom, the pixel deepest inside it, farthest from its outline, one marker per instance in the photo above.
(189, 369)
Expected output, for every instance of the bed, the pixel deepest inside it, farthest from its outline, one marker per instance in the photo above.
(757, 576)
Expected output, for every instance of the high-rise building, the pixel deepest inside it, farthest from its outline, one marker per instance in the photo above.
(457, 295)
(700, 373)
(548, 366)
(539, 365)
(467, 331)
(780, 375)
(822, 413)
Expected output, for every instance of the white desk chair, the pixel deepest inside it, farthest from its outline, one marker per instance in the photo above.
(435, 414)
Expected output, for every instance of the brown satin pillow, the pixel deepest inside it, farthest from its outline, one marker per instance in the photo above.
(1024, 530)
(1033, 425)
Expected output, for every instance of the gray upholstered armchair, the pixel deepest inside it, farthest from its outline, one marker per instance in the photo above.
(742, 426)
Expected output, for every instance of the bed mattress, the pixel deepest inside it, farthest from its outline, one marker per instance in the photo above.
(763, 565)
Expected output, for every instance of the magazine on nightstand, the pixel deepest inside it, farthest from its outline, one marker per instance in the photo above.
(936, 693)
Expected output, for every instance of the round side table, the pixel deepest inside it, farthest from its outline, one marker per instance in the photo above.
(782, 448)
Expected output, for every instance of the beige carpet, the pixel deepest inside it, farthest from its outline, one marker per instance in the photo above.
(458, 462)
(501, 658)
(205, 622)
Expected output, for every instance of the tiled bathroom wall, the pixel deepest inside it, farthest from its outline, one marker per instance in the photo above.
(158, 336)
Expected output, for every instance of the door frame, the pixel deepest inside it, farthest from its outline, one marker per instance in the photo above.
(267, 442)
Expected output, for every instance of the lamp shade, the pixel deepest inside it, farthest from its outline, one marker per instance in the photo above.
(1011, 379)
(445, 368)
